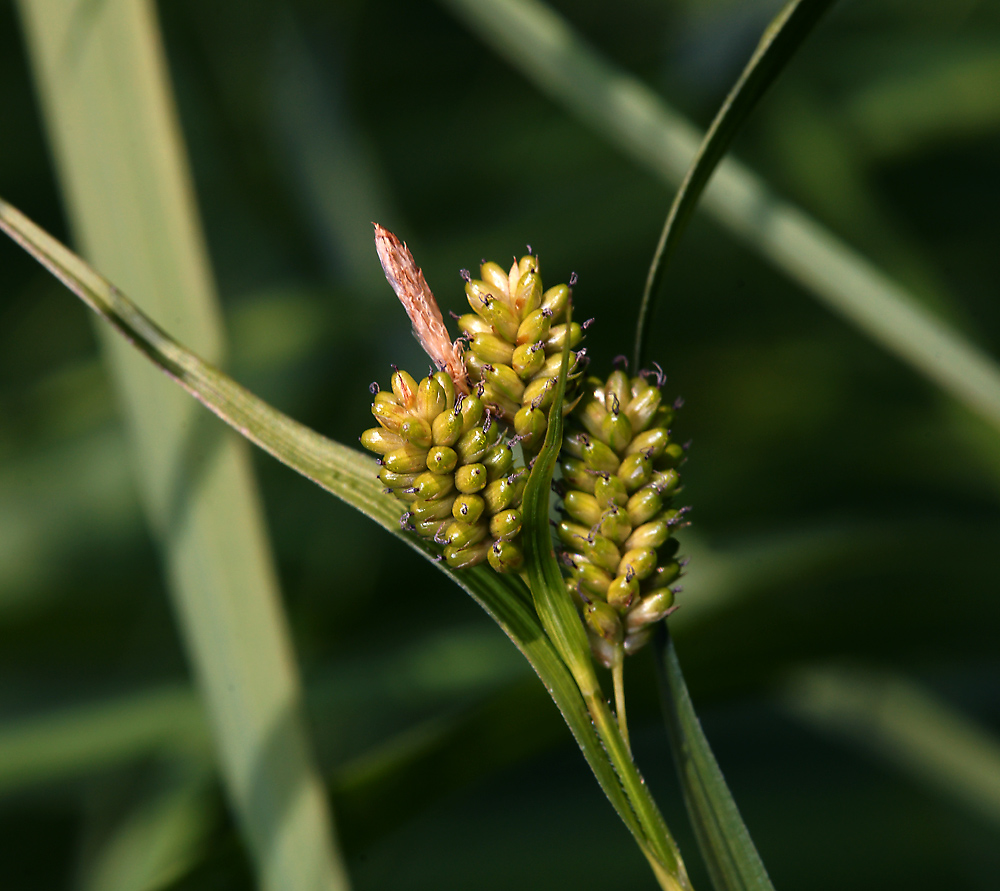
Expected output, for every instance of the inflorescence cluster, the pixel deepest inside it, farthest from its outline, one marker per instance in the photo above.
(456, 447)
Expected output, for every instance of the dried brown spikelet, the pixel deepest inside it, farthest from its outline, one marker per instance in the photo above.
(413, 292)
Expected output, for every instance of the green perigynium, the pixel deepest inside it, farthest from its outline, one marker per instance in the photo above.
(619, 476)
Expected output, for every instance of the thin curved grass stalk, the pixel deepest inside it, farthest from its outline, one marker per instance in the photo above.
(782, 37)
(351, 476)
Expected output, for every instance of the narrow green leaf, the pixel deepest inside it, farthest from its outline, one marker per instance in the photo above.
(345, 473)
(118, 148)
(782, 37)
(539, 43)
(729, 853)
(552, 600)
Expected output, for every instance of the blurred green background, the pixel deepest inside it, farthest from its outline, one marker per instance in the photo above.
(840, 619)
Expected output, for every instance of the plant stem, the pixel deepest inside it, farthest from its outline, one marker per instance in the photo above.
(618, 680)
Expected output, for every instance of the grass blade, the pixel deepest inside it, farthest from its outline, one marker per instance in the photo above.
(783, 36)
(907, 726)
(347, 474)
(119, 154)
(539, 43)
(730, 855)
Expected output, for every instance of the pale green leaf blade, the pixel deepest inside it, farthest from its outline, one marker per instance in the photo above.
(118, 150)
(783, 36)
(726, 847)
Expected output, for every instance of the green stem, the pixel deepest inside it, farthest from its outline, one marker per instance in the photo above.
(663, 852)
(618, 680)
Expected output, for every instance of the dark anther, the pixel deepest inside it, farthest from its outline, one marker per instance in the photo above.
(459, 399)
(622, 360)
(629, 574)
(573, 279)
(683, 562)
(488, 422)
(584, 440)
(529, 249)
(437, 558)
(404, 521)
(531, 463)
(373, 387)
(677, 589)
(482, 261)
(649, 453)
(380, 461)
(454, 314)
(394, 368)
(687, 445)
(547, 313)
(480, 389)
(439, 537)
(536, 403)
(466, 276)
(585, 325)
(678, 403)
(387, 490)
(412, 490)
(615, 405)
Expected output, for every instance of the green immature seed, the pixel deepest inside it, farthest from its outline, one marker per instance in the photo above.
(527, 360)
(416, 431)
(557, 337)
(499, 315)
(603, 621)
(555, 300)
(505, 381)
(463, 558)
(506, 525)
(468, 508)
(432, 486)
(640, 562)
(617, 389)
(577, 475)
(389, 413)
(424, 509)
(505, 492)
(616, 431)
(441, 459)
(583, 508)
(535, 327)
(528, 294)
(494, 276)
(473, 445)
(652, 441)
(492, 350)
(609, 491)
(506, 556)
(447, 428)
(615, 525)
(635, 471)
(380, 440)
(653, 607)
(539, 393)
(404, 388)
(470, 478)
(499, 461)
(471, 324)
(431, 400)
(592, 579)
(460, 534)
(641, 409)
(622, 592)
(396, 480)
(530, 424)
(649, 535)
(472, 411)
(408, 459)
(644, 505)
